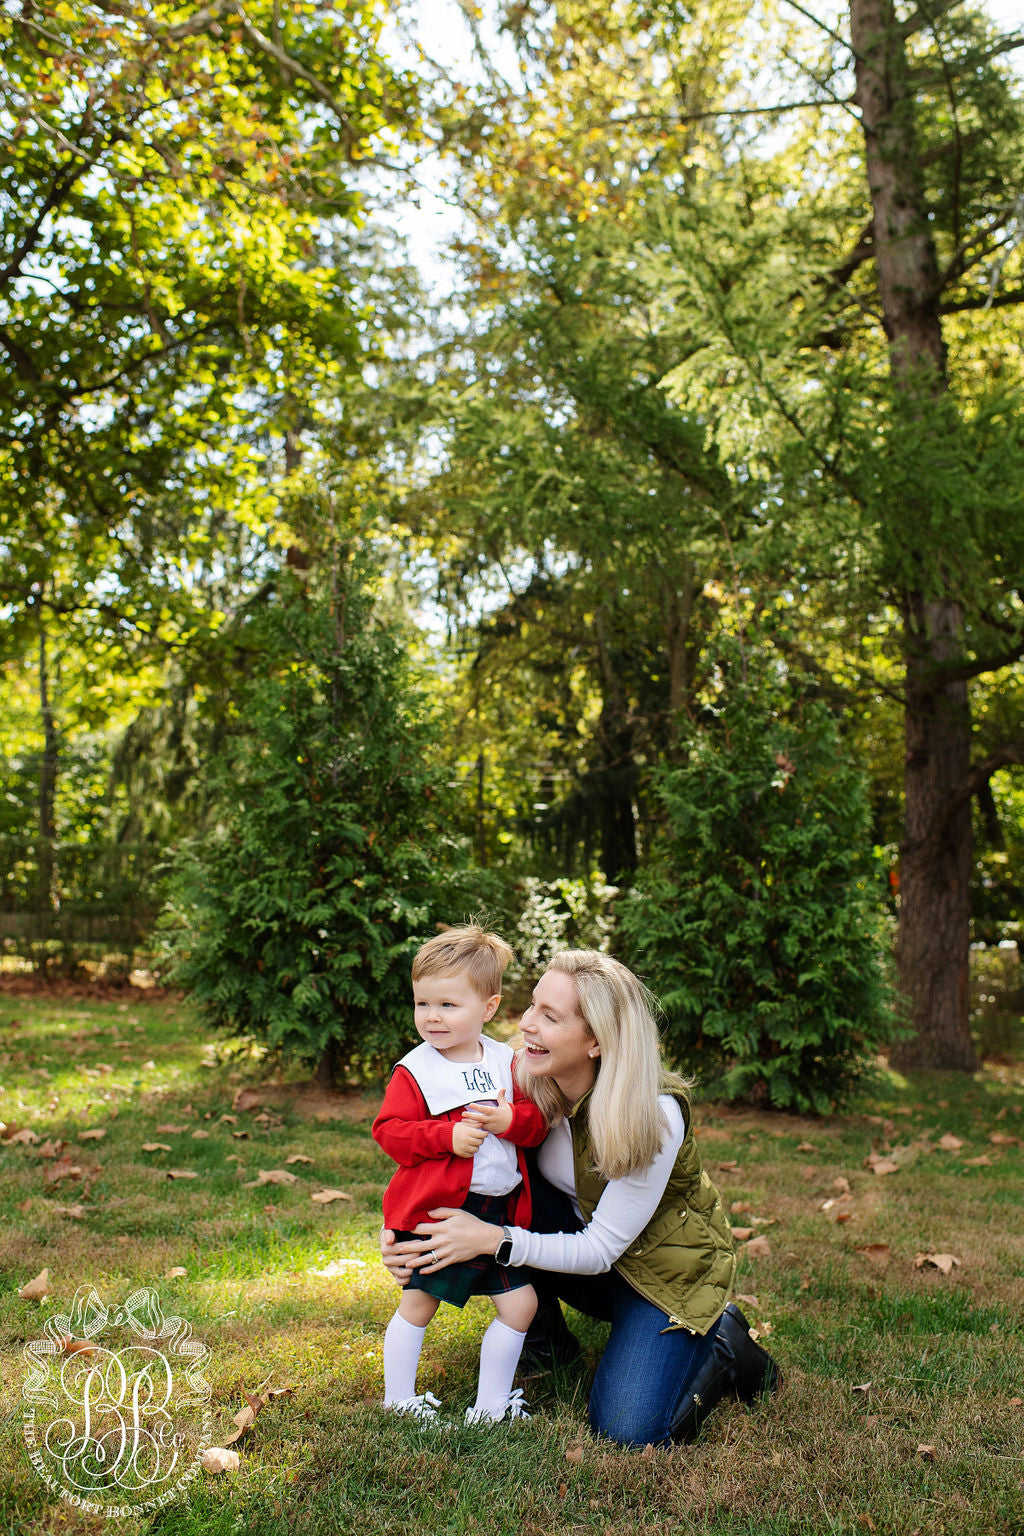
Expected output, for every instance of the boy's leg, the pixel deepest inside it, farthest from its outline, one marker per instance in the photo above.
(500, 1349)
(403, 1342)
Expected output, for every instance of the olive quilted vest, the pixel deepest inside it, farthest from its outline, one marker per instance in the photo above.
(684, 1260)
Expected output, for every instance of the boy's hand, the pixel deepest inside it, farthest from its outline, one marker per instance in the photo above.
(466, 1139)
(496, 1118)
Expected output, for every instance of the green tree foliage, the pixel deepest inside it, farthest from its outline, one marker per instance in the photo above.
(295, 920)
(759, 918)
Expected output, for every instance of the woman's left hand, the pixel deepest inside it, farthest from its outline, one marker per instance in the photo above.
(450, 1236)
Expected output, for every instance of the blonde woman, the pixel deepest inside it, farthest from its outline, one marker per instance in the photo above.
(627, 1226)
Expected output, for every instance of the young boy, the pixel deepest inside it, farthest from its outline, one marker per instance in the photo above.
(474, 1162)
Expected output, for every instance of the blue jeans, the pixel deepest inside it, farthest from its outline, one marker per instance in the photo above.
(644, 1373)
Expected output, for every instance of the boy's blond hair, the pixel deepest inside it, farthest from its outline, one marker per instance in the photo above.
(482, 956)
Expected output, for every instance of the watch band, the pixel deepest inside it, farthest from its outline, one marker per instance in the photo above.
(503, 1252)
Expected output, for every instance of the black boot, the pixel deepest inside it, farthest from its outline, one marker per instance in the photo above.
(736, 1364)
(549, 1344)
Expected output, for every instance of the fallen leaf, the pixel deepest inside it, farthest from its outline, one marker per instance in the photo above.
(240, 1135)
(325, 1196)
(883, 1166)
(274, 1176)
(984, 1161)
(926, 1452)
(840, 1186)
(867, 1521)
(574, 1455)
(95, 1135)
(181, 1173)
(806, 1146)
(1016, 1402)
(944, 1262)
(758, 1248)
(563, 1490)
(870, 1420)
(63, 1168)
(200, 1135)
(35, 1290)
(950, 1143)
(177, 1273)
(155, 1146)
(77, 1347)
(865, 1386)
(170, 1130)
(245, 1098)
(748, 1301)
(28, 1138)
(999, 1139)
(297, 1157)
(732, 1167)
(255, 1403)
(229, 1119)
(742, 1233)
(740, 1208)
(76, 1212)
(875, 1253)
(217, 1458)
(50, 1149)
(149, 1066)
(844, 1216)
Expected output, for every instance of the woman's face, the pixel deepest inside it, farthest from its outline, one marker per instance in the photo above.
(559, 1044)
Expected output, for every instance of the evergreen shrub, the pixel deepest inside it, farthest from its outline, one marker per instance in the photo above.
(294, 923)
(758, 918)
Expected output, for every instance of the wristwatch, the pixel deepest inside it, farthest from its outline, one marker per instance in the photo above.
(503, 1252)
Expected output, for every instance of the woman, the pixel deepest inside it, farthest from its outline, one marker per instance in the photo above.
(637, 1233)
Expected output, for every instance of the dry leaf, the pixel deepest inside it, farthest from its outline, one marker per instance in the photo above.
(96, 1135)
(574, 1455)
(883, 1167)
(806, 1146)
(50, 1149)
(742, 1233)
(35, 1290)
(844, 1216)
(870, 1420)
(944, 1262)
(875, 1253)
(926, 1452)
(1016, 1402)
(563, 1490)
(840, 1186)
(217, 1458)
(748, 1301)
(27, 1137)
(177, 1273)
(170, 1130)
(240, 1135)
(297, 1157)
(999, 1139)
(181, 1173)
(275, 1176)
(325, 1196)
(77, 1347)
(740, 1208)
(758, 1248)
(229, 1119)
(63, 1168)
(867, 1521)
(155, 1146)
(865, 1387)
(76, 1212)
(950, 1143)
(984, 1161)
(245, 1098)
(200, 1135)
(732, 1167)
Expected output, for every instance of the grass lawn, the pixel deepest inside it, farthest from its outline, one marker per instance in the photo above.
(881, 1357)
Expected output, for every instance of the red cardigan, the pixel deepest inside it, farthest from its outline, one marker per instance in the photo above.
(429, 1173)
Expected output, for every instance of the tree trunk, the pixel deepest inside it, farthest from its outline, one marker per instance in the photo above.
(327, 1068)
(47, 828)
(936, 854)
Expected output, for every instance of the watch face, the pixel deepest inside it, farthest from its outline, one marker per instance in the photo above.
(503, 1253)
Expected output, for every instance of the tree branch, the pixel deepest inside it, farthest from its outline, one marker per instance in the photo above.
(1010, 753)
(986, 301)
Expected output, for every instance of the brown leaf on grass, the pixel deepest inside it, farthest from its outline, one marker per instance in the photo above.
(740, 1208)
(758, 1248)
(748, 1301)
(255, 1404)
(217, 1458)
(155, 1146)
(240, 1135)
(742, 1233)
(92, 1135)
(944, 1262)
(866, 1521)
(170, 1130)
(875, 1253)
(984, 1161)
(1000, 1139)
(884, 1166)
(273, 1176)
(844, 1216)
(63, 1168)
(200, 1135)
(181, 1173)
(229, 1119)
(864, 1387)
(1016, 1402)
(870, 1420)
(563, 1490)
(177, 1273)
(926, 1452)
(839, 1187)
(950, 1143)
(26, 1205)
(76, 1212)
(297, 1157)
(35, 1290)
(245, 1098)
(732, 1167)
(574, 1455)
(50, 1149)
(26, 1137)
(325, 1196)
(710, 1133)
(77, 1347)
(807, 1146)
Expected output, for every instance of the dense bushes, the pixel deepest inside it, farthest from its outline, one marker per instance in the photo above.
(758, 917)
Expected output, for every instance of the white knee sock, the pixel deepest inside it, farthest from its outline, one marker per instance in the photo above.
(402, 1344)
(500, 1349)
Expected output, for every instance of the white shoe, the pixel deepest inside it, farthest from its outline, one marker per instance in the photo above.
(515, 1408)
(423, 1406)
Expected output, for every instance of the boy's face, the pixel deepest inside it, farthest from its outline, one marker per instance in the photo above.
(450, 1015)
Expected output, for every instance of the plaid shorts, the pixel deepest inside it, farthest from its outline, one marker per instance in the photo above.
(481, 1276)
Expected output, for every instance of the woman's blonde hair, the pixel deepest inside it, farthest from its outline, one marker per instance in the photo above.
(626, 1125)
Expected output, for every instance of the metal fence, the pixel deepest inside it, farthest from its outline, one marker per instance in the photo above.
(62, 903)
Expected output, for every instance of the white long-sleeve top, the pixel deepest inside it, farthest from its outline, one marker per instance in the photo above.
(624, 1209)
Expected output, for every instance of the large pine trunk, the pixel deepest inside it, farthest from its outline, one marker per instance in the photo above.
(936, 854)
